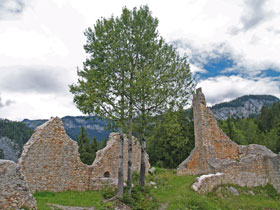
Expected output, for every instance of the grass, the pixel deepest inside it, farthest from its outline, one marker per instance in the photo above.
(175, 192)
(70, 198)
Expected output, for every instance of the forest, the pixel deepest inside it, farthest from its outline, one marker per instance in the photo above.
(170, 137)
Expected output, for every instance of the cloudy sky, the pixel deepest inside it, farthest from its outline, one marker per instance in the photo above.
(233, 48)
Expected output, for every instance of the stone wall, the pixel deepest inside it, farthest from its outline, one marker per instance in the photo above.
(214, 152)
(107, 159)
(50, 161)
(14, 192)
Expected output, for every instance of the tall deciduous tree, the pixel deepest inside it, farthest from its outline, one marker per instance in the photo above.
(102, 81)
(131, 73)
(163, 79)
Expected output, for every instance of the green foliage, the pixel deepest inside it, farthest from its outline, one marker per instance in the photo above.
(263, 129)
(140, 198)
(171, 138)
(69, 198)
(108, 192)
(16, 131)
(176, 193)
(172, 191)
(131, 73)
(87, 148)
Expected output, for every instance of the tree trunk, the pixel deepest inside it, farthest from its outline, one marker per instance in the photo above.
(120, 172)
(129, 162)
(143, 162)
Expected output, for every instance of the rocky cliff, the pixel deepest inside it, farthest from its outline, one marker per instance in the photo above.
(9, 150)
(243, 107)
(72, 125)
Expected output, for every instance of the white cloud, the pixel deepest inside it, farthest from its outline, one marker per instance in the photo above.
(220, 89)
(38, 106)
(255, 48)
(49, 34)
(38, 79)
(11, 8)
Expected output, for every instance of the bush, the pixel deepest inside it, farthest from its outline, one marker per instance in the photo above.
(108, 192)
(140, 199)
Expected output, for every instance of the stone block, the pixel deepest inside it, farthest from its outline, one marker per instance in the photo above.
(14, 192)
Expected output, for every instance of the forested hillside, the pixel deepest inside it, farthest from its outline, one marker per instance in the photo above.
(171, 135)
(16, 131)
(243, 107)
(13, 135)
(171, 139)
(263, 129)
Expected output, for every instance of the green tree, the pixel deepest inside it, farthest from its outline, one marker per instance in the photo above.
(163, 79)
(102, 82)
(87, 148)
(171, 140)
(131, 73)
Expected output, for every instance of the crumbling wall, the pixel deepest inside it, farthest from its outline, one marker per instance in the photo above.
(214, 152)
(50, 161)
(14, 192)
(107, 159)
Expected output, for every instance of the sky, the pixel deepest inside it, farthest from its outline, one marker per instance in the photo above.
(233, 48)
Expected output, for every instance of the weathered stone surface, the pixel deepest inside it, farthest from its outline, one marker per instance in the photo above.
(206, 183)
(107, 160)
(233, 190)
(14, 192)
(214, 152)
(50, 161)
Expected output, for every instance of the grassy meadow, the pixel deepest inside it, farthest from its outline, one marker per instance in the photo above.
(171, 192)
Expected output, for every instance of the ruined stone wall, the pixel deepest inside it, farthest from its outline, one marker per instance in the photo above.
(108, 158)
(210, 141)
(50, 161)
(214, 152)
(14, 192)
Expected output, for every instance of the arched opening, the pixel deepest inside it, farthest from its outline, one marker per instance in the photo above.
(106, 174)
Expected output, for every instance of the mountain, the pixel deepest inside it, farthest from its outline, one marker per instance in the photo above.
(13, 135)
(243, 107)
(72, 125)
(9, 150)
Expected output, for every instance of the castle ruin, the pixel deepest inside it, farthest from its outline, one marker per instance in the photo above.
(222, 161)
(50, 161)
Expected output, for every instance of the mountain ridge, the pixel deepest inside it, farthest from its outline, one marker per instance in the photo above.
(243, 107)
(93, 126)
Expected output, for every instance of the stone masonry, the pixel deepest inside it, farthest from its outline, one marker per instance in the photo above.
(214, 152)
(50, 161)
(14, 192)
(107, 161)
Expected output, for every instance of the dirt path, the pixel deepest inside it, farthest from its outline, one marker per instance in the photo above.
(57, 206)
